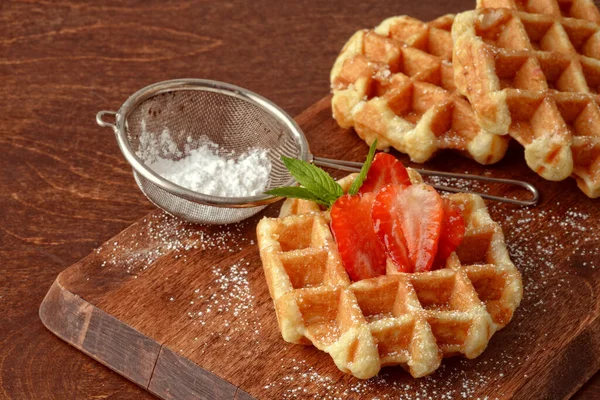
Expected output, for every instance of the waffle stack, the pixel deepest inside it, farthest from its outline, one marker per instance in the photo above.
(407, 319)
(529, 69)
(536, 77)
(395, 84)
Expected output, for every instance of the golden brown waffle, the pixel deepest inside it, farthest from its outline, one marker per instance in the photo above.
(536, 77)
(412, 320)
(578, 9)
(395, 84)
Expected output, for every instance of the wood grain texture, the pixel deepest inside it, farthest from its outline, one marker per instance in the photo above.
(65, 187)
(203, 298)
(176, 377)
(91, 329)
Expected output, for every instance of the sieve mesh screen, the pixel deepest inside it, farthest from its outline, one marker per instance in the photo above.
(192, 115)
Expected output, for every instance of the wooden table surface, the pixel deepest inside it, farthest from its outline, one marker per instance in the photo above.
(65, 188)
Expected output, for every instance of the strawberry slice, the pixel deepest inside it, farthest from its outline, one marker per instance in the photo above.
(385, 215)
(414, 213)
(362, 253)
(385, 169)
(421, 221)
(452, 232)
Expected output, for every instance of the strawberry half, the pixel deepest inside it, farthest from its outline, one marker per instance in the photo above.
(385, 169)
(362, 253)
(452, 232)
(385, 217)
(414, 213)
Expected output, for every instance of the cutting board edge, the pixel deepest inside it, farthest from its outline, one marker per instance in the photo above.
(79, 323)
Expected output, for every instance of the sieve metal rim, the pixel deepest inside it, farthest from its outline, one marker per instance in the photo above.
(205, 85)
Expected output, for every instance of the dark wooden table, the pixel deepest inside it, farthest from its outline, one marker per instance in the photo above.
(64, 187)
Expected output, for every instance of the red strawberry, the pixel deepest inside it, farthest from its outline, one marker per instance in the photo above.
(414, 212)
(385, 169)
(385, 221)
(360, 249)
(452, 232)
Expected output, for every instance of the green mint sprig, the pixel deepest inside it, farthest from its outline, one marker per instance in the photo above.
(318, 185)
(297, 192)
(363, 171)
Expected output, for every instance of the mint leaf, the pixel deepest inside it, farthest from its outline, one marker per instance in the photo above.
(318, 185)
(296, 193)
(363, 171)
(314, 179)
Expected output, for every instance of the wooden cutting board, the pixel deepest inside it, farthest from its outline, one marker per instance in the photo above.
(184, 310)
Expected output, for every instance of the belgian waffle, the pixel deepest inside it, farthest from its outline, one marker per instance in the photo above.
(578, 9)
(395, 84)
(536, 76)
(407, 319)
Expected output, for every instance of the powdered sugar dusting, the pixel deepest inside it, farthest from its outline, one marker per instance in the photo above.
(535, 236)
(153, 146)
(204, 170)
(449, 382)
(163, 234)
(220, 307)
(458, 183)
(230, 297)
(205, 167)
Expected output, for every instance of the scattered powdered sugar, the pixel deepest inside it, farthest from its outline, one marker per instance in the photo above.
(458, 183)
(230, 297)
(204, 167)
(476, 186)
(536, 236)
(163, 234)
(300, 381)
(225, 290)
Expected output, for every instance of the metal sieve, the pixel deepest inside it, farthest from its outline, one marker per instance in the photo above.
(235, 119)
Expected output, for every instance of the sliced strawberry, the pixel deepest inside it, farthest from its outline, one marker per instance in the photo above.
(452, 232)
(362, 253)
(385, 169)
(421, 221)
(385, 215)
(416, 212)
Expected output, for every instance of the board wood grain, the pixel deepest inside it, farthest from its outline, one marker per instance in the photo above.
(183, 310)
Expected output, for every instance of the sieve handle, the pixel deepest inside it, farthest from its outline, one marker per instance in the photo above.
(352, 166)
(103, 123)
